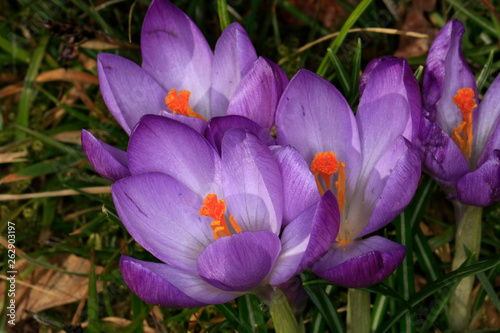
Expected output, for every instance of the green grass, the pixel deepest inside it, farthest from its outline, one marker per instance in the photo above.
(86, 225)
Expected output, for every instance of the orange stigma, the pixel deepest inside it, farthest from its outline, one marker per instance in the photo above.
(465, 101)
(324, 164)
(216, 209)
(179, 104)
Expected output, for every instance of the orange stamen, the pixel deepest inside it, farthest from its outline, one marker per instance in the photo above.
(465, 101)
(179, 104)
(340, 185)
(216, 209)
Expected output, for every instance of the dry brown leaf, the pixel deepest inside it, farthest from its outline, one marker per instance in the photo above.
(59, 74)
(330, 16)
(46, 288)
(95, 44)
(416, 21)
(117, 322)
(73, 137)
(13, 157)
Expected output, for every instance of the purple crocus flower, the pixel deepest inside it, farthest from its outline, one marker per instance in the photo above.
(215, 221)
(367, 161)
(181, 78)
(460, 137)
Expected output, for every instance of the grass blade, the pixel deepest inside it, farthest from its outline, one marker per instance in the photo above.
(320, 296)
(344, 79)
(28, 90)
(223, 14)
(251, 316)
(337, 42)
(485, 72)
(93, 301)
(483, 23)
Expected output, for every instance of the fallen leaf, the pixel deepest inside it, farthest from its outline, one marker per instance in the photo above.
(13, 157)
(46, 288)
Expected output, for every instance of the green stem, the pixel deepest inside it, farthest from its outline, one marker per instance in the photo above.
(468, 236)
(282, 314)
(358, 311)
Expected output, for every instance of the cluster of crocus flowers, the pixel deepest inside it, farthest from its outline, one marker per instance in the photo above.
(183, 79)
(459, 136)
(368, 161)
(244, 218)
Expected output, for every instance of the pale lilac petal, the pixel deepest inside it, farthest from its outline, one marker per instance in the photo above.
(148, 280)
(314, 117)
(239, 262)
(234, 55)
(368, 70)
(307, 238)
(446, 71)
(392, 184)
(482, 186)
(218, 126)
(164, 285)
(361, 263)
(108, 161)
(176, 54)
(197, 124)
(384, 112)
(162, 215)
(160, 144)
(259, 92)
(299, 186)
(128, 90)
(252, 182)
(441, 157)
(486, 127)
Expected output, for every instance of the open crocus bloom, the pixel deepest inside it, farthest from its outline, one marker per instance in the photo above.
(215, 221)
(367, 161)
(182, 78)
(460, 137)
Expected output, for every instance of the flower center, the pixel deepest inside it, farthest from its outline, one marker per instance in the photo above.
(179, 104)
(216, 209)
(465, 101)
(326, 164)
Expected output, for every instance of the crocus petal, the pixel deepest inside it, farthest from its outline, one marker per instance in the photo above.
(258, 93)
(441, 157)
(128, 90)
(482, 186)
(108, 161)
(149, 281)
(361, 263)
(162, 215)
(176, 54)
(307, 238)
(160, 144)
(197, 124)
(368, 69)
(392, 184)
(384, 111)
(164, 285)
(234, 55)
(299, 187)
(314, 117)
(252, 182)
(239, 262)
(486, 128)
(446, 71)
(218, 126)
